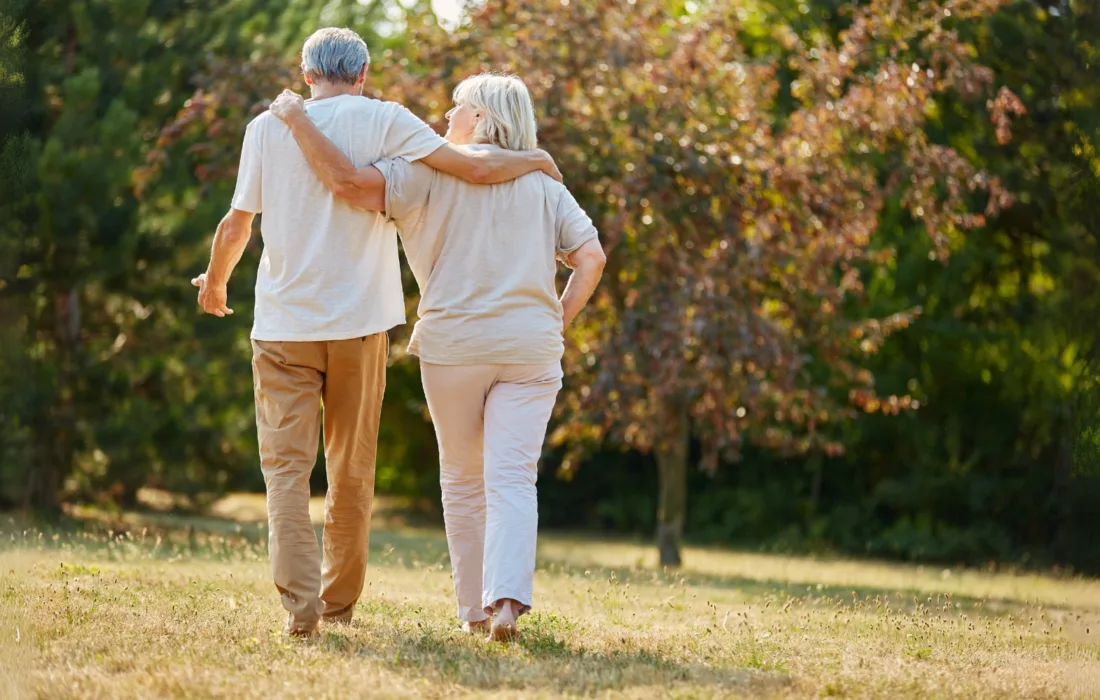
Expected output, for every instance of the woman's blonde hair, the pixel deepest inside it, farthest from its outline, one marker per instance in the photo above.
(507, 115)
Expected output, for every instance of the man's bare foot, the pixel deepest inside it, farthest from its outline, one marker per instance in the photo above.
(343, 618)
(479, 628)
(504, 625)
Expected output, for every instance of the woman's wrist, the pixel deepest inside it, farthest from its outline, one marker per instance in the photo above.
(295, 117)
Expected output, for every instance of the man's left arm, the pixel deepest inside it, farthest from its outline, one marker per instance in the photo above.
(235, 228)
(230, 241)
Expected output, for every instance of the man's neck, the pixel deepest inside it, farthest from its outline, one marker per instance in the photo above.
(323, 91)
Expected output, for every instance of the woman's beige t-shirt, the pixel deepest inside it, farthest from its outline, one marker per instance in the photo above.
(485, 257)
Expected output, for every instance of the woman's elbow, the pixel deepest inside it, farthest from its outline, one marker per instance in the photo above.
(480, 174)
(594, 258)
(340, 180)
(344, 189)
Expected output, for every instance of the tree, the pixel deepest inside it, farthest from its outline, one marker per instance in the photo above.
(1001, 461)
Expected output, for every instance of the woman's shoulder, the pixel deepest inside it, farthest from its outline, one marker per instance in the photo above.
(556, 192)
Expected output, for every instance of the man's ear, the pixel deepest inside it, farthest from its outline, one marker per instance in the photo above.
(309, 80)
(363, 75)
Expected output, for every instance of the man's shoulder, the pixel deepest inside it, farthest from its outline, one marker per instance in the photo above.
(261, 120)
(368, 106)
(269, 129)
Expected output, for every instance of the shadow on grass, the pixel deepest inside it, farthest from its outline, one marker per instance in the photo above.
(171, 536)
(166, 536)
(778, 591)
(544, 657)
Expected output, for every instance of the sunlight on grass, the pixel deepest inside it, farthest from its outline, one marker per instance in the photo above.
(135, 610)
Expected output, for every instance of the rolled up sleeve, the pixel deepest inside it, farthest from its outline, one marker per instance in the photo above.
(408, 188)
(575, 227)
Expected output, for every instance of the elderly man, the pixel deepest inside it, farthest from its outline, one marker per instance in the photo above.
(328, 289)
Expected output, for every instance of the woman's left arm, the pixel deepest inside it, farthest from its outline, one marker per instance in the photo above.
(364, 188)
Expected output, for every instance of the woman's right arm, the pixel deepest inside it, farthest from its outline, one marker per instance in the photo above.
(364, 188)
(587, 263)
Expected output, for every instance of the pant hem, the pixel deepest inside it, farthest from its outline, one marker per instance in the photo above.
(494, 603)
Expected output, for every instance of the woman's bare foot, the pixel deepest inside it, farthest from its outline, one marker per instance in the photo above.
(504, 625)
(479, 628)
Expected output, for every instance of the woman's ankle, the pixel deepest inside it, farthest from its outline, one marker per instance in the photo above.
(477, 626)
(504, 624)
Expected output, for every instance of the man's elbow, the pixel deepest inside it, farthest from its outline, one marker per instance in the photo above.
(236, 228)
(236, 236)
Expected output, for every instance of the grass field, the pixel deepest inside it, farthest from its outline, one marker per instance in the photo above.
(168, 607)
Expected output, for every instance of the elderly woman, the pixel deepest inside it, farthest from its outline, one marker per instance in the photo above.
(489, 336)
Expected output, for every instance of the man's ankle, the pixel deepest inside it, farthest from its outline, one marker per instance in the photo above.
(340, 618)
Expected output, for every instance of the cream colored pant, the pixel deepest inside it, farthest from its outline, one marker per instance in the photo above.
(490, 422)
(293, 380)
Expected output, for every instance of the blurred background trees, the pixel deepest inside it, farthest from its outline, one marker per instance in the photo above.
(851, 295)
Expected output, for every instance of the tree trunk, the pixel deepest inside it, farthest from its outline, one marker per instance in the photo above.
(672, 456)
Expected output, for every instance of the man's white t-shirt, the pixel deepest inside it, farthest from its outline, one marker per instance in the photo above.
(328, 271)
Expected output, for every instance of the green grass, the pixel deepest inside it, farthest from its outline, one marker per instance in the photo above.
(152, 606)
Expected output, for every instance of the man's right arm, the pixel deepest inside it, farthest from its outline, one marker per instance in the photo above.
(490, 166)
(235, 229)
(410, 138)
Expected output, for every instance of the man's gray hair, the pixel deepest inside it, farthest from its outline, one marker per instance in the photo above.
(335, 56)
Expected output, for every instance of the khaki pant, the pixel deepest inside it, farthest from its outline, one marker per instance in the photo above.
(490, 421)
(293, 380)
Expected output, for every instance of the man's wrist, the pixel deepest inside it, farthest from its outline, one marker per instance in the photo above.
(213, 280)
(547, 165)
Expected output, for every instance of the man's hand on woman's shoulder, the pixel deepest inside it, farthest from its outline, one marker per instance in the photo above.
(549, 166)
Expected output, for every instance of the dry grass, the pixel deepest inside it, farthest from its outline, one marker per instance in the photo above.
(184, 608)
